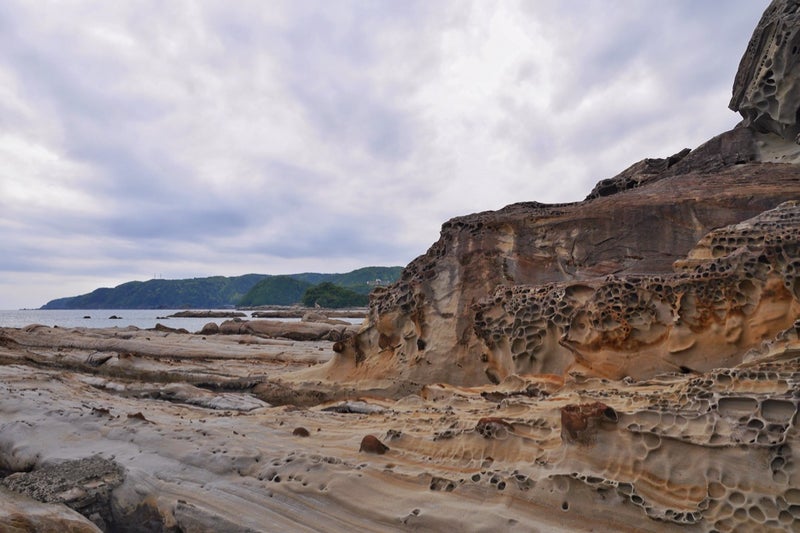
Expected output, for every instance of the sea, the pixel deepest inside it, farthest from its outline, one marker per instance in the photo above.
(101, 318)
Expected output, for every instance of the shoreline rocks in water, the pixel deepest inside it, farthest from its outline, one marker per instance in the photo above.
(298, 331)
(207, 314)
(300, 312)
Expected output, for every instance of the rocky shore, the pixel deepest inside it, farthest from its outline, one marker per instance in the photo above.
(626, 363)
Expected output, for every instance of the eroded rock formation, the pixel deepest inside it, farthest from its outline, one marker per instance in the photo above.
(498, 291)
(766, 90)
(738, 288)
(590, 287)
(134, 451)
(626, 363)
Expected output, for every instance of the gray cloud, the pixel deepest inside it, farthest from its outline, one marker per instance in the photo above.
(209, 138)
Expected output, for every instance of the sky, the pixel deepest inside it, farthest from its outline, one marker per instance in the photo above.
(181, 139)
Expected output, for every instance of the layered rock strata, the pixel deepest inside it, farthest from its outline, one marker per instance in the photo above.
(705, 451)
(436, 323)
(737, 288)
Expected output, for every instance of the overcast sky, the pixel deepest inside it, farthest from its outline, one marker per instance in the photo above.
(190, 139)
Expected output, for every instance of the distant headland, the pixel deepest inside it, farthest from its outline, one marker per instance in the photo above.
(350, 289)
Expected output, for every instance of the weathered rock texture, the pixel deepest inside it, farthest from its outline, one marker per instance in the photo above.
(590, 287)
(766, 90)
(701, 451)
(506, 292)
(738, 288)
(84, 485)
(626, 363)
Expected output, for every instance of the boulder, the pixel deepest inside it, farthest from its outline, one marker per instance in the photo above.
(84, 485)
(371, 444)
(297, 331)
(210, 329)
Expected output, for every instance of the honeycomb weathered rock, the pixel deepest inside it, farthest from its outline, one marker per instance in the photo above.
(737, 288)
(498, 291)
(766, 90)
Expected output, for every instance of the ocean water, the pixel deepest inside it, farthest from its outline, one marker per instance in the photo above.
(100, 318)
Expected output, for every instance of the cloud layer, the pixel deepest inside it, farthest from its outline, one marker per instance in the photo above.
(186, 139)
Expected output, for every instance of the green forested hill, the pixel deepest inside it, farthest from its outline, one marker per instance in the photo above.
(326, 294)
(275, 290)
(271, 292)
(203, 293)
(361, 281)
(220, 291)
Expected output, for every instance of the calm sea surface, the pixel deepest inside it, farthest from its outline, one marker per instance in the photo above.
(99, 318)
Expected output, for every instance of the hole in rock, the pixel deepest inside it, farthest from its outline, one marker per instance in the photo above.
(610, 414)
(756, 514)
(778, 410)
(737, 406)
(736, 498)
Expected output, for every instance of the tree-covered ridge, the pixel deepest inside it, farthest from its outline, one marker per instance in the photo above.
(362, 280)
(220, 291)
(275, 290)
(331, 296)
(213, 292)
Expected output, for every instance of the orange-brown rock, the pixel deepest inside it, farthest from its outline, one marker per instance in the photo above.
(579, 423)
(300, 432)
(734, 290)
(371, 444)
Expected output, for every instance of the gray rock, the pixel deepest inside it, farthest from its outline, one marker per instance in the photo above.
(766, 90)
(83, 485)
(210, 329)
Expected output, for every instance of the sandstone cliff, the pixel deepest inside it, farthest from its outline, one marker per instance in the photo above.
(535, 288)
(437, 324)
